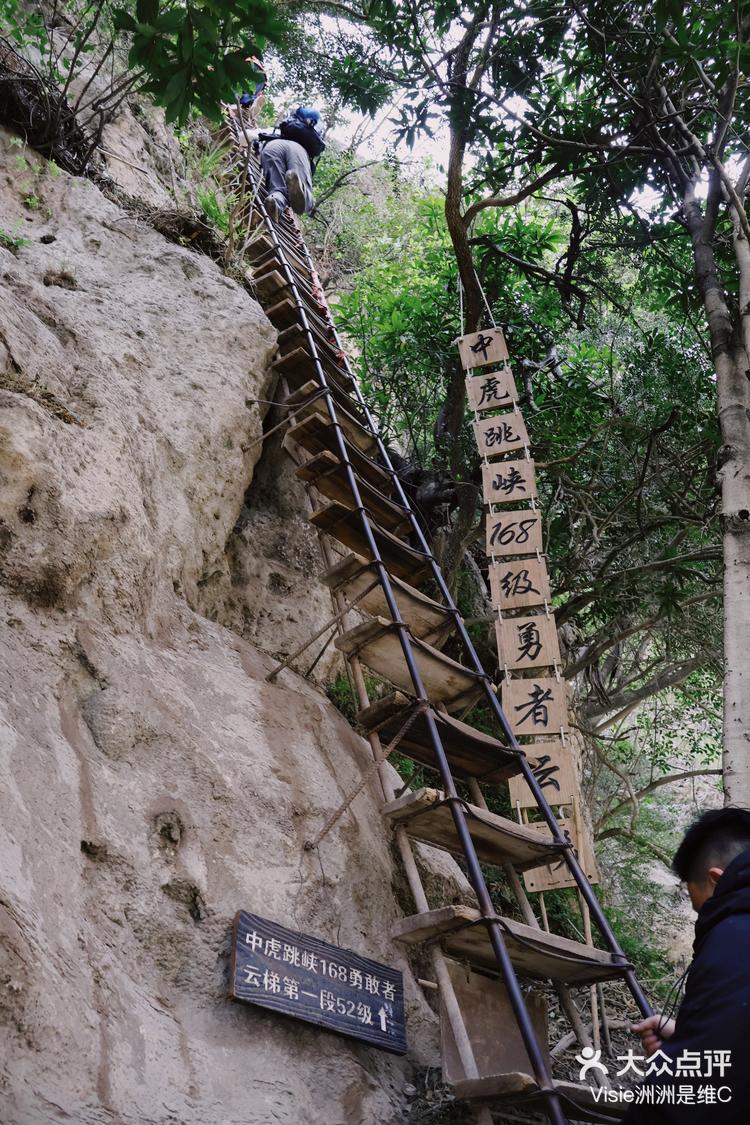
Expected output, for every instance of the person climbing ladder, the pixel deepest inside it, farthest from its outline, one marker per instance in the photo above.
(288, 157)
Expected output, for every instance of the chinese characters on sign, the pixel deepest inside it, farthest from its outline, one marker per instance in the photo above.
(481, 348)
(519, 584)
(534, 700)
(507, 482)
(493, 390)
(690, 1069)
(552, 765)
(299, 976)
(500, 433)
(527, 642)
(535, 706)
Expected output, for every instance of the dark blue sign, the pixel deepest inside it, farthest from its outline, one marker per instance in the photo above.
(297, 975)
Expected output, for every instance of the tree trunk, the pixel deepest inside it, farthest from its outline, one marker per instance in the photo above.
(733, 404)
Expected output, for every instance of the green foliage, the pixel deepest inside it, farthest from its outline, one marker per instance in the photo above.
(341, 694)
(189, 55)
(22, 26)
(216, 207)
(12, 242)
(194, 54)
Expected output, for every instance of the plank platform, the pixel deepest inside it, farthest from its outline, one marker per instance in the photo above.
(303, 396)
(298, 368)
(471, 752)
(500, 1091)
(263, 253)
(295, 337)
(497, 840)
(426, 618)
(376, 643)
(329, 476)
(317, 432)
(534, 953)
(345, 524)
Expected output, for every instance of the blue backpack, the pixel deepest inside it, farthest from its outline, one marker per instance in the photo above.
(300, 127)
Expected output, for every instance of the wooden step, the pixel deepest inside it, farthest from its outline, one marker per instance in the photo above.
(298, 368)
(377, 644)
(329, 476)
(268, 284)
(261, 248)
(309, 391)
(296, 337)
(500, 1091)
(497, 840)
(345, 525)
(534, 953)
(283, 314)
(317, 432)
(470, 752)
(264, 255)
(426, 618)
(356, 433)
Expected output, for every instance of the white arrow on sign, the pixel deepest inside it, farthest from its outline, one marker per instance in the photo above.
(383, 1019)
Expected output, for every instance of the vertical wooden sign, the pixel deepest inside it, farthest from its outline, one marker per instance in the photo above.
(502, 433)
(527, 642)
(480, 348)
(513, 533)
(535, 705)
(507, 482)
(492, 390)
(519, 583)
(553, 767)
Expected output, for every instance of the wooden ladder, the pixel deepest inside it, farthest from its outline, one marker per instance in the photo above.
(334, 439)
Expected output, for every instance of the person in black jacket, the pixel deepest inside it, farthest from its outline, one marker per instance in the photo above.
(288, 160)
(706, 1075)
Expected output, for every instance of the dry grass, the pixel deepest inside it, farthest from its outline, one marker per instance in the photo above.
(32, 106)
(20, 385)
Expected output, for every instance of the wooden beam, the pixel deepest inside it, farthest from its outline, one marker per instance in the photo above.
(534, 953)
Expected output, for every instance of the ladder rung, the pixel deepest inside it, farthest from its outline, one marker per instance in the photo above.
(316, 433)
(283, 314)
(471, 752)
(356, 433)
(310, 391)
(345, 524)
(426, 618)
(295, 337)
(497, 839)
(298, 368)
(377, 644)
(328, 475)
(534, 953)
(268, 283)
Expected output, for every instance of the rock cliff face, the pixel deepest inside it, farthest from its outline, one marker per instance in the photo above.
(153, 783)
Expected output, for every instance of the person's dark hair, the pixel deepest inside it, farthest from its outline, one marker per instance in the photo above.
(713, 840)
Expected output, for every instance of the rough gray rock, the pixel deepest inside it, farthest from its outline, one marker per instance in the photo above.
(153, 783)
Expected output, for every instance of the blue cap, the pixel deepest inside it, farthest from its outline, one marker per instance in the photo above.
(311, 116)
